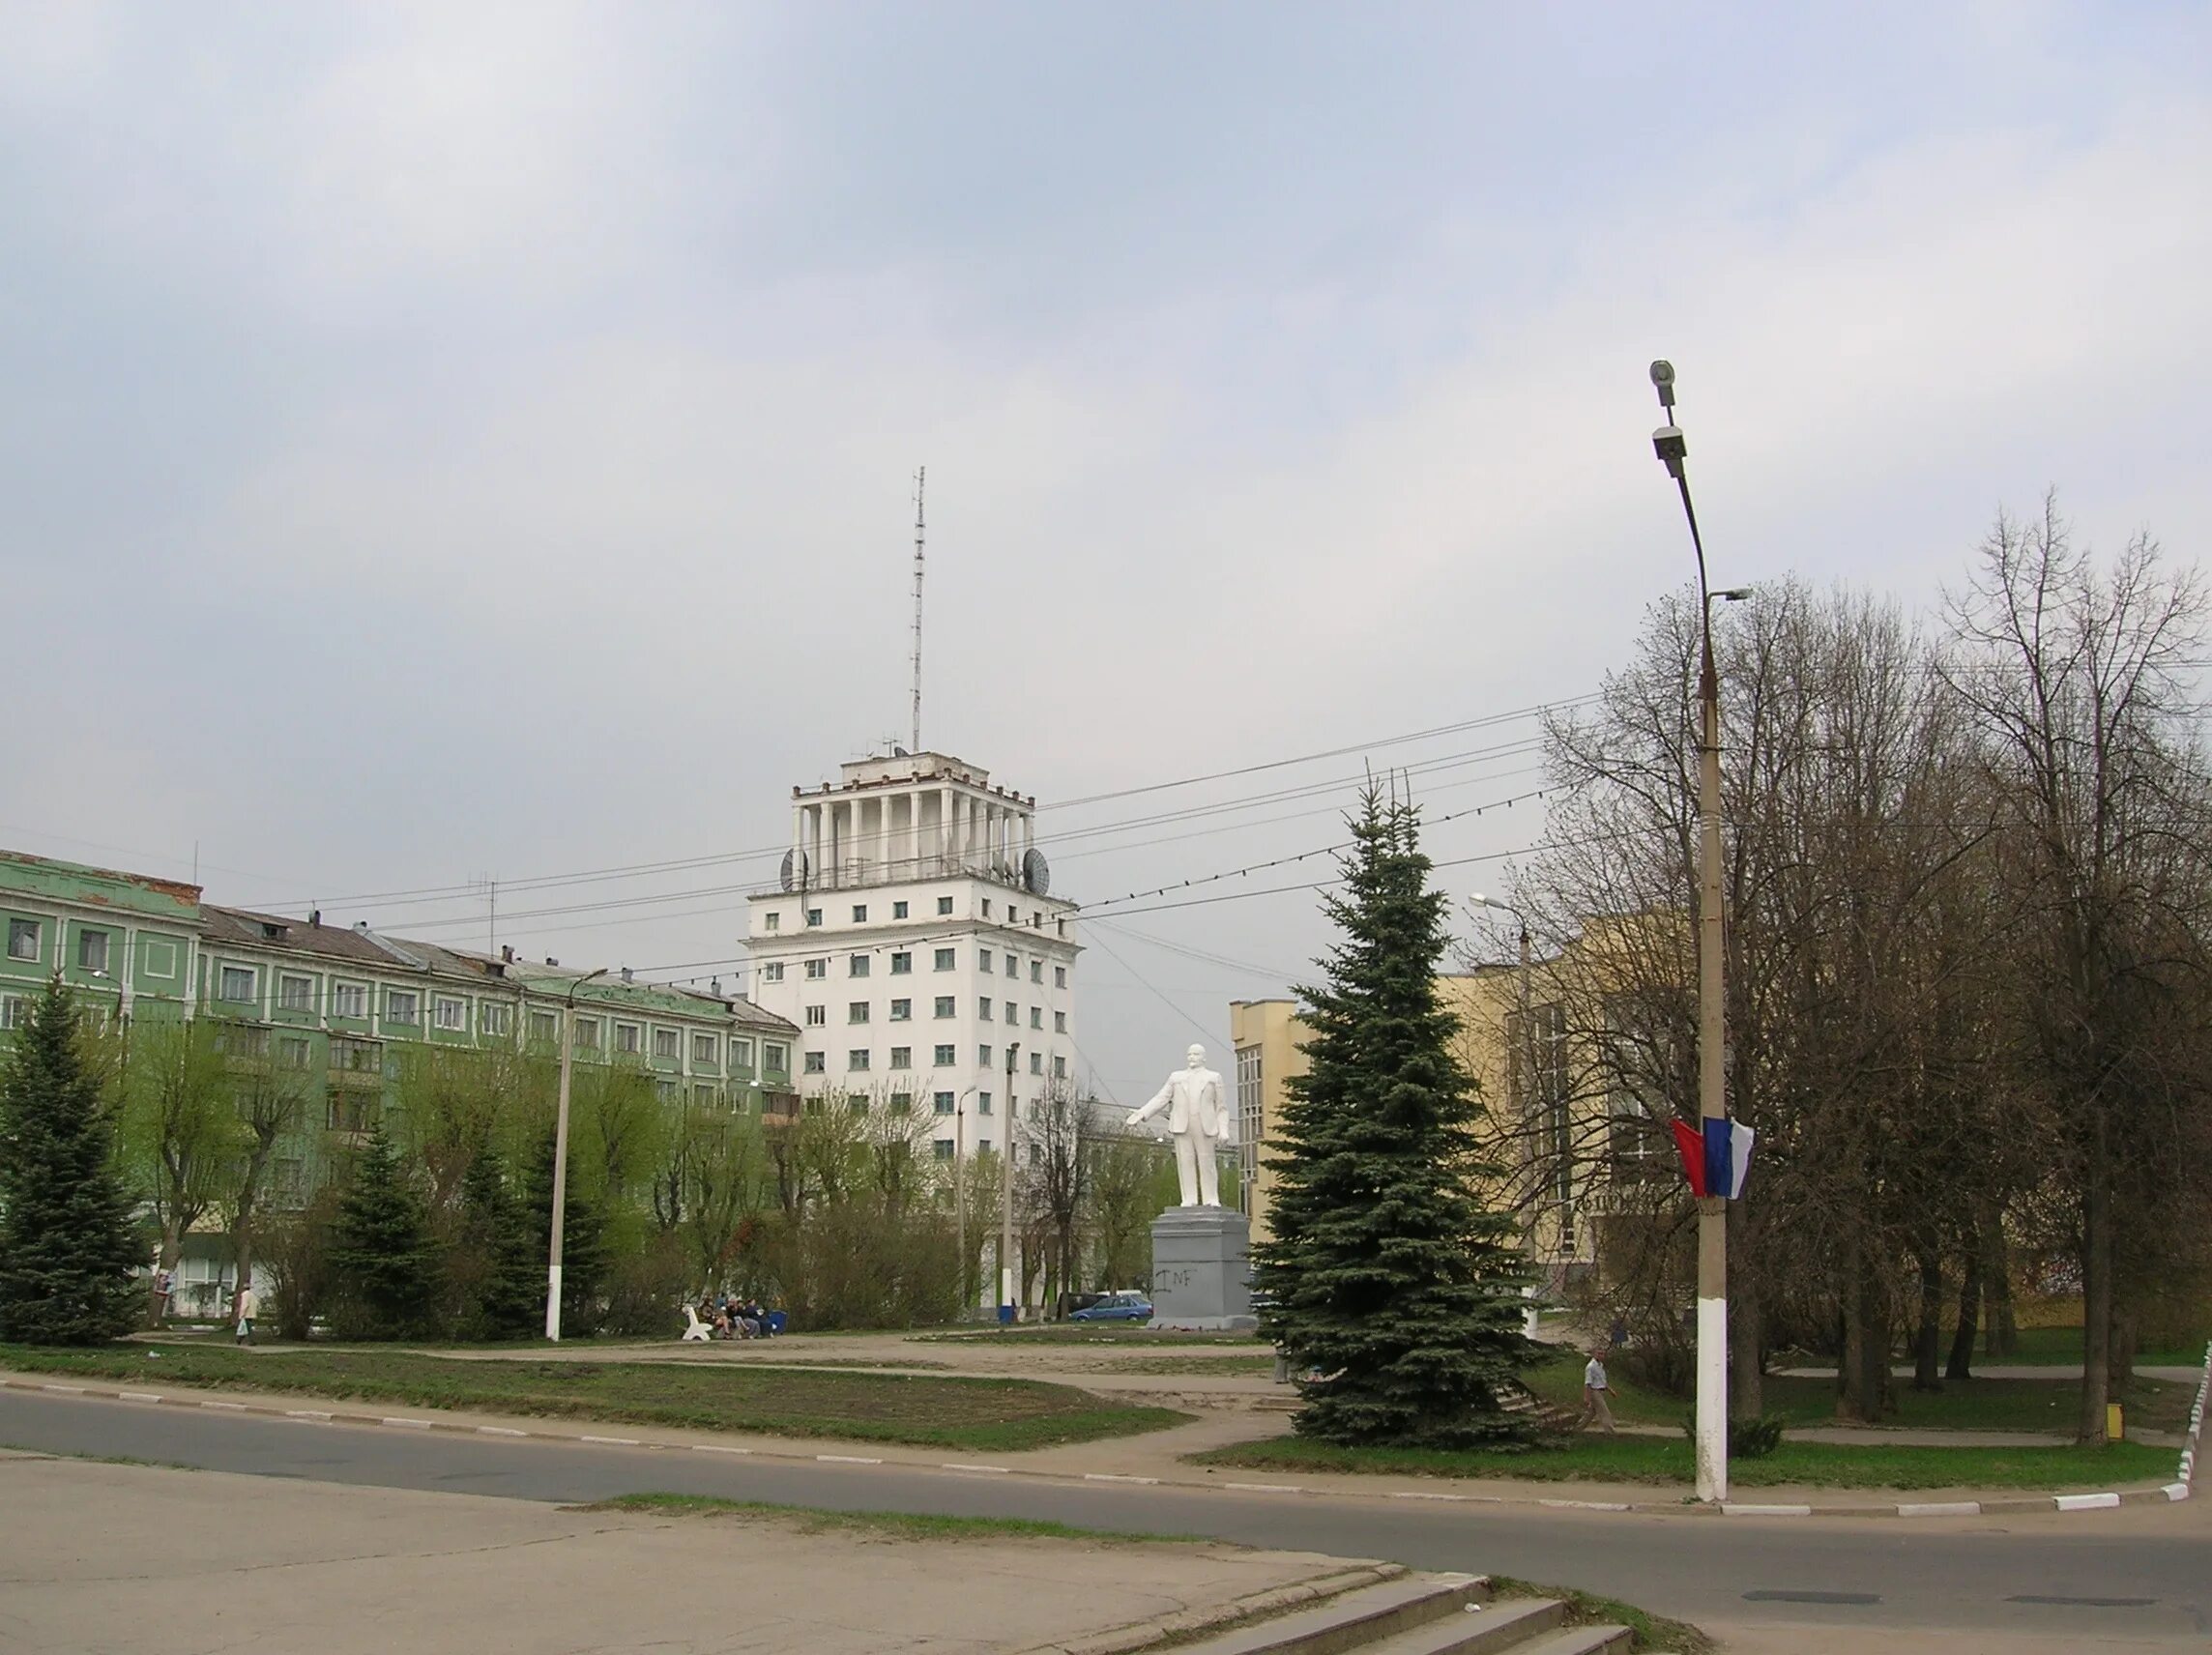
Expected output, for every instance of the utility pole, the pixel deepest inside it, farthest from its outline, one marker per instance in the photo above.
(1528, 1100)
(1007, 1200)
(1712, 1365)
(560, 1160)
(960, 1200)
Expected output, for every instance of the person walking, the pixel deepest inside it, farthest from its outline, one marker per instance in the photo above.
(246, 1304)
(1595, 1387)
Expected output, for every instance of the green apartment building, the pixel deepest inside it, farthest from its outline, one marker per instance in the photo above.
(337, 1014)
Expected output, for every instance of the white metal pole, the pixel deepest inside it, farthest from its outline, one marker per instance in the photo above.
(1712, 1103)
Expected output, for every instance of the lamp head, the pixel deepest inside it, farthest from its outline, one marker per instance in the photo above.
(1663, 382)
(1672, 447)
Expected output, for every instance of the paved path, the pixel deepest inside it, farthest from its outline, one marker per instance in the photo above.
(2149, 1567)
(127, 1559)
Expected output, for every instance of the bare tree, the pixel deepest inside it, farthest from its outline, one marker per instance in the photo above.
(2076, 675)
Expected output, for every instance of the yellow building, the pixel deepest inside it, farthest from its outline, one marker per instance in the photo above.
(1269, 1043)
(1565, 1064)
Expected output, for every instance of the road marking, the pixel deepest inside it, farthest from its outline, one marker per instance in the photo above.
(2085, 1502)
(139, 1396)
(1813, 1597)
(1115, 1477)
(954, 1466)
(407, 1424)
(1267, 1487)
(74, 1390)
(232, 1406)
(717, 1448)
(1943, 1508)
(499, 1431)
(1732, 1509)
(613, 1441)
(2083, 1603)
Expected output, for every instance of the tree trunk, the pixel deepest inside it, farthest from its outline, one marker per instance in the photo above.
(1747, 1325)
(1925, 1378)
(2096, 1285)
(1961, 1363)
(172, 1249)
(2003, 1336)
(2126, 1325)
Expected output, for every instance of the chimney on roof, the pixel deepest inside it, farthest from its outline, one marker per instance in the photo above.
(316, 917)
(714, 987)
(361, 925)
(507, 954)
(551, 961)
(626, 973)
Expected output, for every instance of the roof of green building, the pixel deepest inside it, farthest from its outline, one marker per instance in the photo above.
(98, 887)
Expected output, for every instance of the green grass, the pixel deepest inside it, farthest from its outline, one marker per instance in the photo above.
(892, 1525)
(2063, 1346)
(1667, 1460)
(1224, 1365)
(1961, 1405)
(1585, 1608)
(1007, 1415)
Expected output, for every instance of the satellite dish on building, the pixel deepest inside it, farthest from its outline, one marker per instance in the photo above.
(1036, 873)
(795, 869)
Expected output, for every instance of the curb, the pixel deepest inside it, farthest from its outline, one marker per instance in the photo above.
(2018, 1505)
(1196, 1623)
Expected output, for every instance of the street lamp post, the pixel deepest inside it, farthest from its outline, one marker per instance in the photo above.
(960, 1199)
(1007, 1200)
(1528, 1053)
(1711, 1436)
(561, 1157)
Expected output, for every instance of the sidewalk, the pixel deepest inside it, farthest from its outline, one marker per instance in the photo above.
(127, 1558)
(1155, 1458)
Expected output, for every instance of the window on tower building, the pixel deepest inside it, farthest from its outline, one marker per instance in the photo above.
(983, 961)
(902, 1057)
(817, 1017)
(983, 1008)
(1059, 1023)
(814, 916)
(944, 904)
(857, 1012)
(983, 1055)
(941, 1102)
(1036, 1017)
(945, 960)
(1037, 970)
(771, 921)
(986, 907)
(1036, 1063)
(1060, 976)
(902, 963)
(856, 966)
(944, 1006)
(816, 1063)
(1060, 1068)
(943, 1057)
(902, 1010)
(773, 972)
(816, 969)
(898, 911)
(859, 913)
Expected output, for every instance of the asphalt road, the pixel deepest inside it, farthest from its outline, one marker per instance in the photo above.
(2129, 1577)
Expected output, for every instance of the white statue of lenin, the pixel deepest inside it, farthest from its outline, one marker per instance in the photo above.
(1192, 1098)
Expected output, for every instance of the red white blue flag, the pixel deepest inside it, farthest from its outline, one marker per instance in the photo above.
(1717, 1159)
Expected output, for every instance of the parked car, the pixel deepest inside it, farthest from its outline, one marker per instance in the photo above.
(1127, 1306)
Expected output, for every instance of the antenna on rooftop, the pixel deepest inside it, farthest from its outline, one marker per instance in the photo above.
(919, 471)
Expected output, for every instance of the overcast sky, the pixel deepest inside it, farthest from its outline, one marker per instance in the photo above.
(463, 440)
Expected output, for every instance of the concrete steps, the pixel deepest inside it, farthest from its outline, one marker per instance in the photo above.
(1421, 1614)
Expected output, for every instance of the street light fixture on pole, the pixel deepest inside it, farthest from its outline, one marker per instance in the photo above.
(561, 1157)
(1007, 1200)
(960, 1200)
(1711, 1434)
(1477, 899)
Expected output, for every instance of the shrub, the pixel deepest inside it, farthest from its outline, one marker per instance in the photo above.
(1747, 1438)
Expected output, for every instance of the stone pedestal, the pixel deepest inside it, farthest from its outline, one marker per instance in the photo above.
(1202, 1270)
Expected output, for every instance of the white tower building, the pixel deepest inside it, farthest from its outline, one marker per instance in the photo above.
(912, 938)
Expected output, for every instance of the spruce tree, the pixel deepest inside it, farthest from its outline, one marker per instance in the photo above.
(384, 1265)
(506, 1298)
(583, 1241)
(67, 1245)
(1386, 1276)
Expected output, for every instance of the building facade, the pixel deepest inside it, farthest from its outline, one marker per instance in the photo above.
(1267, 1040)
(334, 1016)
(913, 938)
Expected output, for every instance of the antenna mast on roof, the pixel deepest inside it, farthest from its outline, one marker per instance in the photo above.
(919, 471)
